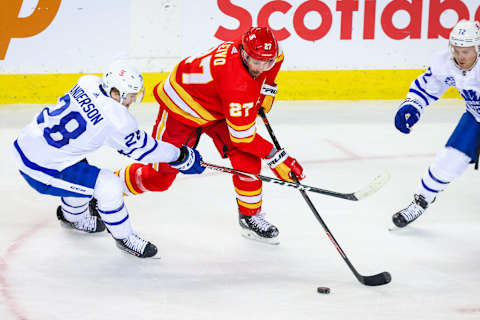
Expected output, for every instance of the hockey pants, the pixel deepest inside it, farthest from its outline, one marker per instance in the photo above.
(139, 178)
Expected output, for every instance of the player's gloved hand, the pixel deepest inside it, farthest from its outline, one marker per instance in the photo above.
(268, 93)
(188, 162)
(283, 166)
(406, 117)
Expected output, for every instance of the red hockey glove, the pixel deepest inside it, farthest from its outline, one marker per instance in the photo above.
(283, 166)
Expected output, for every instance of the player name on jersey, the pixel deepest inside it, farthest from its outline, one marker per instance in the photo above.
(86, 104)
(221, 53)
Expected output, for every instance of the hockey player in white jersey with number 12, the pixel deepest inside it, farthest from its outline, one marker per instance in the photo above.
(459, 68)
(50, 153)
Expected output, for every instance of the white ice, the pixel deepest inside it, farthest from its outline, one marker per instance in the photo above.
(208, 271)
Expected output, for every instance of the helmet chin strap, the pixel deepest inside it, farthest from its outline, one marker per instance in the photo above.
(123, 96)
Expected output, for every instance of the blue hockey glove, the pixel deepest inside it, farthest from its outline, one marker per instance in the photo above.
(188, 162)
(406, 117)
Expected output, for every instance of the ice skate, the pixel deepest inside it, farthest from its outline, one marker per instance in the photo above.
(89, 223)
(93, 207)
(136, 246)
(410, 213)
(257, 228)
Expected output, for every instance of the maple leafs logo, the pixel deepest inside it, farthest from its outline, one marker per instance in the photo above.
(450, 81)
(472, 99)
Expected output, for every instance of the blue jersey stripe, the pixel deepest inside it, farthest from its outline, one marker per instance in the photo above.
(423, 90)
(51, 190)
(32, 165)
(418, 93)
(148, 152)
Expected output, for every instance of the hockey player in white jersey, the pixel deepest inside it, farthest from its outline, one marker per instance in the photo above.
(457, 67)
(50, 153)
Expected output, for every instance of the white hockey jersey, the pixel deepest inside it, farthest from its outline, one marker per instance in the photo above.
(442, 74)
(82, 121)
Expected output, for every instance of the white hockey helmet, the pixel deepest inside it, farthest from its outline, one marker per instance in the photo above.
(465, 34)
(123, 77)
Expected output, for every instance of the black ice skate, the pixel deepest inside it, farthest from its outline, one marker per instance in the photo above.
(88, 224)
(93, 207)
(136, 246)
(257, 228)
(410, 213)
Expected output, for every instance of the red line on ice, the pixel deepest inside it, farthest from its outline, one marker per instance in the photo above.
(4, 260)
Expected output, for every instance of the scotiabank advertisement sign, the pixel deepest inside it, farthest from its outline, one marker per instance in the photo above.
(64, 36)
(350, 15)
(345, 34)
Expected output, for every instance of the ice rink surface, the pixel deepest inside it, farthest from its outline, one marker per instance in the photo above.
(207, 270)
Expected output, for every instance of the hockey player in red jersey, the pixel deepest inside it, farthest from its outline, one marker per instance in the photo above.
(219, 93)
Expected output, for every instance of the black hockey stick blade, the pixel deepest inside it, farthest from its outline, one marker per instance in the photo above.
(376, 280)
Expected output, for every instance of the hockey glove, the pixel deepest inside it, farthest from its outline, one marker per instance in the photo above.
(406, 117)
(188, 162)
(268, 92)
(283, 166)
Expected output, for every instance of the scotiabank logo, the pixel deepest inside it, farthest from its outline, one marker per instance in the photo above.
(348, 8)
(12, 26)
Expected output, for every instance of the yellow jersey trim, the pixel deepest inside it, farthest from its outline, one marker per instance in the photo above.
(249, 193)
(250, 205)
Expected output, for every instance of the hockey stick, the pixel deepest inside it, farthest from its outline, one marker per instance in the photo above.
(371, 188)
(374, 280)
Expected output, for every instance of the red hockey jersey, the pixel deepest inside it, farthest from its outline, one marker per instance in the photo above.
(216, 85)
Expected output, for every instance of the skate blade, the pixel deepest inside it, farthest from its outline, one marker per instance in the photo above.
(408, 230)
(395, 229)
(127, 254)
(70, 228)
(250, 235)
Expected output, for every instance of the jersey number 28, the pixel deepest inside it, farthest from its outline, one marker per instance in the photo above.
(59, 135)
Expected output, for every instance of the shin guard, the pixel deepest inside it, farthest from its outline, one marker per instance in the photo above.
(249, 195)
(447, 166)
(74, 209)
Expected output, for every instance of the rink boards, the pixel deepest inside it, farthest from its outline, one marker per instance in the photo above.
(293, 85)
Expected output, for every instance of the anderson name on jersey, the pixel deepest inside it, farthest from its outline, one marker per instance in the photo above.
(82, 121)
(442, 74)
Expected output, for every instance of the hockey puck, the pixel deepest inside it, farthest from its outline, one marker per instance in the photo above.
(323, 290)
